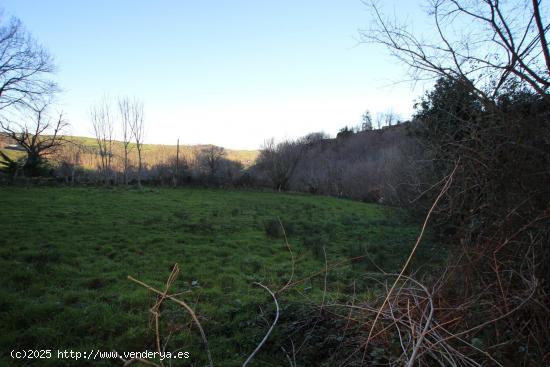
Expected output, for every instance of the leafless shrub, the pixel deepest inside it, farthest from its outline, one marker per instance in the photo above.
(103, 125)
(279, 160)
(162, 296)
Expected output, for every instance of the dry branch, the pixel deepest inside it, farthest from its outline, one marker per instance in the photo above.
(251, 356)
(163, 296)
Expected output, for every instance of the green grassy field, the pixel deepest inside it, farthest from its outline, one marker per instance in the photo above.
(65, 254)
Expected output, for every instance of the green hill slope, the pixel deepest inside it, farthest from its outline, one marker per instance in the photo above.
(65, 254)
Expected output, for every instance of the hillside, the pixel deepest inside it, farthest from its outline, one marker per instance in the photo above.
(153, 153)
(246, 157)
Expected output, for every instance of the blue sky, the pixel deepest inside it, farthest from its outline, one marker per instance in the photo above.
(230, 73)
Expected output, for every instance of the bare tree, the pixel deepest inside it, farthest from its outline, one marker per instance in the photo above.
(387, 118)
(25, 92)
(104, 133)
(209, 159)
(40, 137)
(125, 109)
(279, 161)
(366, 121)
(504, 43)
(70, 158)
(175, 179)
(24, 67)
(137, 127)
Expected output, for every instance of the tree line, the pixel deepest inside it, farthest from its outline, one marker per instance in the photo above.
(29, 120)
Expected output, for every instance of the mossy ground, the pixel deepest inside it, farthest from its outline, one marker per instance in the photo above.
(65, 254)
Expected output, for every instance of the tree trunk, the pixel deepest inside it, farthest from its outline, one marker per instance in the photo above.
(32, 163)
(139, 167)
(125, 165)
(177, 163)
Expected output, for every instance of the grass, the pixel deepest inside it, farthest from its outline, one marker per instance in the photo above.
(65, 254)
